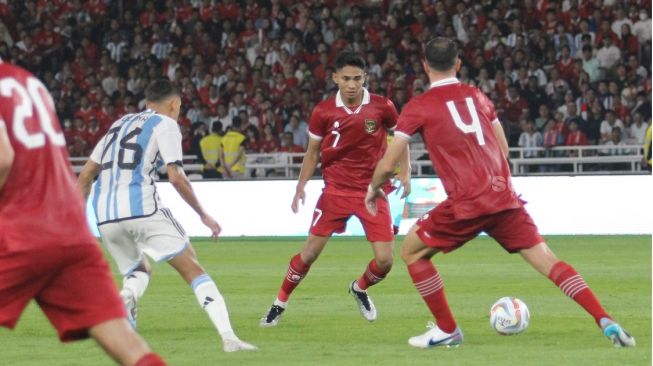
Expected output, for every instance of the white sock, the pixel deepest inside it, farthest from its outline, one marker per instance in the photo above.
(356, 288)
(212, 302)
(135, 285)
(278, 302)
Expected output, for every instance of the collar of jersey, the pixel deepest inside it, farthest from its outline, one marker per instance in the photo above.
(341, 103)
(443, 82)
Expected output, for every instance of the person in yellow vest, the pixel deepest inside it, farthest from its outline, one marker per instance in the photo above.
(211, 146)
(233, 151)
(646, 159)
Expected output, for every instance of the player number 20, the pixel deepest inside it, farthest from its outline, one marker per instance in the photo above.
(35, 96)
(474, 127)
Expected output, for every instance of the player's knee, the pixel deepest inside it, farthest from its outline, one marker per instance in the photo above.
(309, 256)
(407, 255)
(384, 263)
(144, 266)
(412, 249)
(540, 257)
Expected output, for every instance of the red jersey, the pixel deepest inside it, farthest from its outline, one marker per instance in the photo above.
(353, 140)
(40, 205)
(456, 122)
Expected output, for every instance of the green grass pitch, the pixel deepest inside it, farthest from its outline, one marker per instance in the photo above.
(322, 325)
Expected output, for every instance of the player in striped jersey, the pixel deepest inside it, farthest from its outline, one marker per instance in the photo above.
(47, 252)
(131, 218)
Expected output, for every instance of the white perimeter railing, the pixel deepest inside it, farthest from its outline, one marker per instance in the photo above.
(561, 160)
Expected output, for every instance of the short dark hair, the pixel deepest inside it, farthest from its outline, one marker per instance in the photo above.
(441, 53)
(349, 58)
(160, 90)
(216, 127)
(236, 122)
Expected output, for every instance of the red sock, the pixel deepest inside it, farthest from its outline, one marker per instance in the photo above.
(150, 359)
(296, 272)
(573, 285)
(373, 275)
(430, 286)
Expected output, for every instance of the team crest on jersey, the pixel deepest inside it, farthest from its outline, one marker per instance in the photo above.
(370, 126)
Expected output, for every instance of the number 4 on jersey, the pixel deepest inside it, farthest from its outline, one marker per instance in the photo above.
(474, 127)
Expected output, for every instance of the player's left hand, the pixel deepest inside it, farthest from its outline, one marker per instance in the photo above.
(300, 195)
(371, 197)
(404, 183)
(213, 225)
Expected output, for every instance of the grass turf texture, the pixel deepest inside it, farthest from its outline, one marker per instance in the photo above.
(322, 325)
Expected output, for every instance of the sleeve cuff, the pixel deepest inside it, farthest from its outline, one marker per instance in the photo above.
(403, 135)
(314, 136)
(495, 121)
(176, 162)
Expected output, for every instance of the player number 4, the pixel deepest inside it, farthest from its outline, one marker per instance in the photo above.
(474, 127)
(35, 96)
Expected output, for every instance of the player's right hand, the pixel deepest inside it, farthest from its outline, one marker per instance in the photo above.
(371, 197)
(213, 225)
(299, 195)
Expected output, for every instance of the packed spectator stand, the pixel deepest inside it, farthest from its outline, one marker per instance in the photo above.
(561, 73)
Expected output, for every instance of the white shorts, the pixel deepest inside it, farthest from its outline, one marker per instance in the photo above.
(159, 236)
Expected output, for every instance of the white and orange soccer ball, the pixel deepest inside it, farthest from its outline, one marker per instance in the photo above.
(509, 315)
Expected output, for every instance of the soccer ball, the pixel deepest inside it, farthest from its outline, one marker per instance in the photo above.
(509, 315)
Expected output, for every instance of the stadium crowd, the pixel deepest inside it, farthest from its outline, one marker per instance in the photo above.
(565, 72)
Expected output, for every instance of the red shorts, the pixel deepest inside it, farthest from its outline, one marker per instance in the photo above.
(513, 229)
(72, 285)
(333, 211)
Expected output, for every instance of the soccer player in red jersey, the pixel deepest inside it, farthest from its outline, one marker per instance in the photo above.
(467, 146)
(47, 252)
(347, 132)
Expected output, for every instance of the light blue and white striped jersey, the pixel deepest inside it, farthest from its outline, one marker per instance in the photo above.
(129, 155)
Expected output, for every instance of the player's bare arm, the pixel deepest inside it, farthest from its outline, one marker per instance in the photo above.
(404, 172)
(6, 154)
(86, 176)
(383, 171)
(309, 164)
(179, 180)
(501, 137)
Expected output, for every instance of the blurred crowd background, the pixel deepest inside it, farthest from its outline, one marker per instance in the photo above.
(559, 72)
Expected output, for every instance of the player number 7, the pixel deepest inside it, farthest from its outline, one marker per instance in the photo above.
(335, 132)
(317, 217)
(474, 127)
